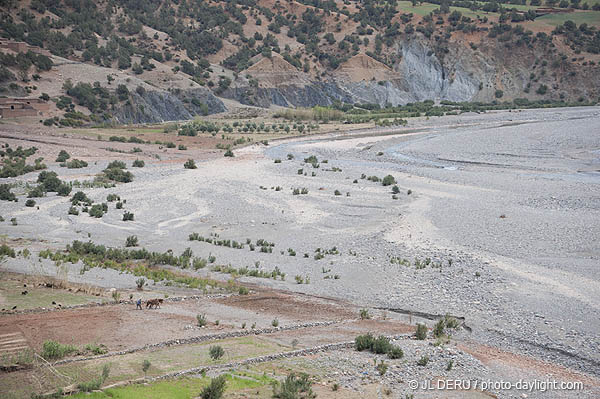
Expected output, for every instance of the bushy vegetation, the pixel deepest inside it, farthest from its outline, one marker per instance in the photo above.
(115, 171)
(216, 352)
(421, 331)
(215, 389)
(6, 194)
(52, 350)
(295, 386)
(14, 161)
(139, 262)
(190, 164)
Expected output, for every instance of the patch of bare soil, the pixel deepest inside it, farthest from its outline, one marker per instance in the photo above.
(498, 359)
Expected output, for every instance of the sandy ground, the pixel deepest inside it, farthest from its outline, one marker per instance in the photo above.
(511, 198)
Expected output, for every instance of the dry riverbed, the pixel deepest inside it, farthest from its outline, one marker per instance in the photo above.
(496, 220)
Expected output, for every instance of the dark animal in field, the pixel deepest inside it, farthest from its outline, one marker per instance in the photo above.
(153, 302)
(24, 292)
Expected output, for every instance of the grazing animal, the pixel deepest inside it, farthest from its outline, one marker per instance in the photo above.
(14, 307)
(153, 302)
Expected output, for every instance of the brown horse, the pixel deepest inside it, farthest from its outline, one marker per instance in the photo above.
(153, 302)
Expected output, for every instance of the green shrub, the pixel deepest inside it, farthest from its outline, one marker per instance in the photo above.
(228, 153)
(423, 361)
(78, 197)
(364, 314)
(294, 387)
(388, 180)
(5, 250)
(73, 211)
(438, 329)
(215, 389)
(337, 192)
(421, 332)
(243, 290)
(395, 352)
(116, 165)
(62, 156)
(395, 190)
(190, 164)
(364, 342)
(96, 349)
(131, 241)
(140, 282)
(64, 190)
(381, 345)
(75, 164)
(96, 211)
(201, 318)
(216, 352)
(382, 367)
(138, 163)
(30, 203)
(36, 192)
(275, 323)
(127, 216)
(146, 366)
(52, 350)
(6, 194)
(118, 174)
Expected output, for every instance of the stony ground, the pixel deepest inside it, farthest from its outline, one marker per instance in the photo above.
(503, 214)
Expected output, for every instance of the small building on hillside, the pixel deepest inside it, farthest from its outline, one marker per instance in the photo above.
(16, 107)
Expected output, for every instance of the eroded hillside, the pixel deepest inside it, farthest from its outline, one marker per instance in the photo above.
(141, 61)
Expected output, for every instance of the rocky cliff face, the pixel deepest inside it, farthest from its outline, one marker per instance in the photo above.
(418, 73)
(151, 106)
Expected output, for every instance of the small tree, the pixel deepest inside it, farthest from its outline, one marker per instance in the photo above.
(131, 241)
(388, 180)
(215, 389)
(190, 164)
(145, 366)
(201, 318)
(295, 386)
(216, 352)
(140, 282)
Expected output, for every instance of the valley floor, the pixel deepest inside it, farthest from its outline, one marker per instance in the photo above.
(496, 221)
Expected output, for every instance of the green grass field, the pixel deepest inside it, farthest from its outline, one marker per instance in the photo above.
(579, 17)
(184, 388)
(10, 295)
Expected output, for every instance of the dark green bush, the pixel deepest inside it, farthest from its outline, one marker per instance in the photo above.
(138, 163)
(215, 389)
(216, 352)
(190, 164)
(294, 387)
(364, 342)
(63, 190)
(421, 332)
(30, 203)
(395, 352)
(6, 194)
(62, 156)
(96, 211)
(388, 180)
(36, 192)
